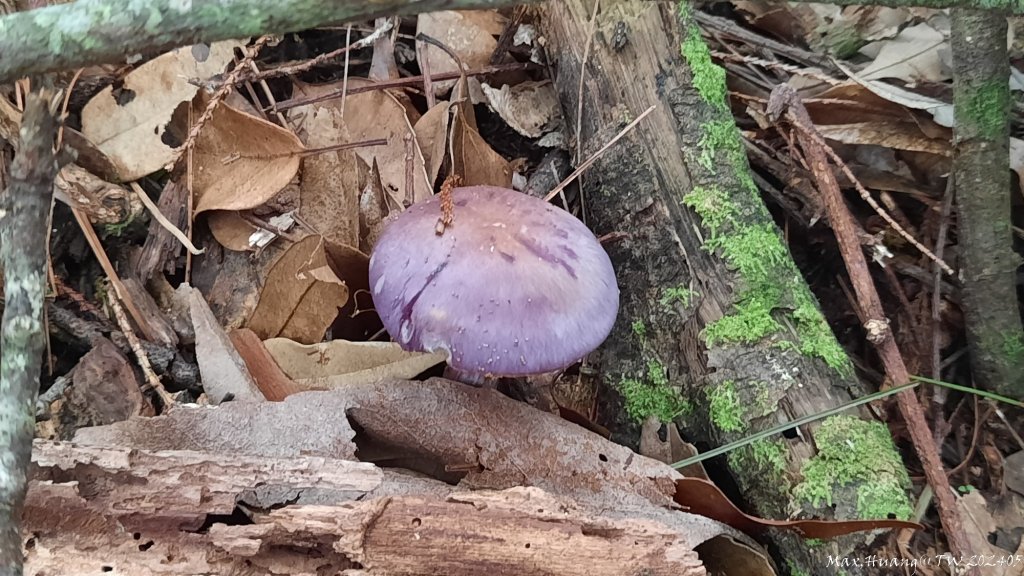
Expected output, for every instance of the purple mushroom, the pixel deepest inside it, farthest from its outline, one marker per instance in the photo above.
(513, 287)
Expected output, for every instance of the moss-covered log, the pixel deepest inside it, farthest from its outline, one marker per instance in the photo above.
(90, 32)
(717, 330)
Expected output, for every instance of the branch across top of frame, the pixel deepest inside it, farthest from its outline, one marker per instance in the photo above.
(89, 32)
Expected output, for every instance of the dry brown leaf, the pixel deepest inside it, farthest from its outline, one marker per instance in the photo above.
(480, 164)
(331, 181)
(225, 376)
(230, 230)
(130, 126)
(461, 147)
(914, 55)
(339, 363)
(468, 33)
(378, 114)
(530, 108)
(892, 135)
(979, 526)
(301, 296)
(240, 161)
(432, 131)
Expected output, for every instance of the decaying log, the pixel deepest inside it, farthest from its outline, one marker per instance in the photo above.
(698, 246)
(123, 510)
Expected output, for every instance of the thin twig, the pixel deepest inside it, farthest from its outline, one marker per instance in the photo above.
(593, 158)
(811, 133)
(410, 81)
(785, 101)
(140, 354)
(583, 76)
(163, 221)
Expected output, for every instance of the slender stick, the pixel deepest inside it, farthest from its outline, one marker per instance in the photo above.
(107, 31)
(24, 212)
(785, 101)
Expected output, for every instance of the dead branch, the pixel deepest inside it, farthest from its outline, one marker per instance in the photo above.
(24, 221)
(109, 30)
(784, 100)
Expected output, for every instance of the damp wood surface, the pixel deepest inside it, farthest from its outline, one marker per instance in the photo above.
(636, 190)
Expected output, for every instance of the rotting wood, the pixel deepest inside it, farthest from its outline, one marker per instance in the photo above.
(151, 513)
(686, 160)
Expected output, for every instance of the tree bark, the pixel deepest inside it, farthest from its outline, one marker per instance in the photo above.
(24, 214)
(145, 513)
(981, 155)
(712, 305)
(90, 32)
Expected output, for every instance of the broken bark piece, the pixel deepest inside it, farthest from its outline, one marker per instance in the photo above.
(497, 442)
(105, 387)
(144, 513)
(225, 376)
(157, 329)
(161, 248)
(271, 381)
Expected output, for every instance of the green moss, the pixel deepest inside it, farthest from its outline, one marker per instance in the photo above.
(795, 570)
(677, 295)
(713, 206)
(765, 456)
(764, 402)
(860, 454)
(724, 407)
(755, 251)
(986, 109)
(639, 328)
(1013, 345)
(708, 78)
(644, 398)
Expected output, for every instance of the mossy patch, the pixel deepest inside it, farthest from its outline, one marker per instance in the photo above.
(639, 328)
(770, 285)
(859, 454)
(763, 456)
(986, 109)
(677, 295)
(646, 397)
(724, 407)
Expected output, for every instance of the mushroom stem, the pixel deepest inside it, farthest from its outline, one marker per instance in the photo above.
(472, 378)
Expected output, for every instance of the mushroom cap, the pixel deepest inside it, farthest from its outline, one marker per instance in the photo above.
(514, 286)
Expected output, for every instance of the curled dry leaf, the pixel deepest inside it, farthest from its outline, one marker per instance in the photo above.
(339, 363)
(378, 114)
(241, 161)
(230, 230)
(530, 108)
(448, 137)
(331, 181)
(914, 55)
(131, 125)
(469, 33)
(890, 135)
(301, 296)
(105, 390)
